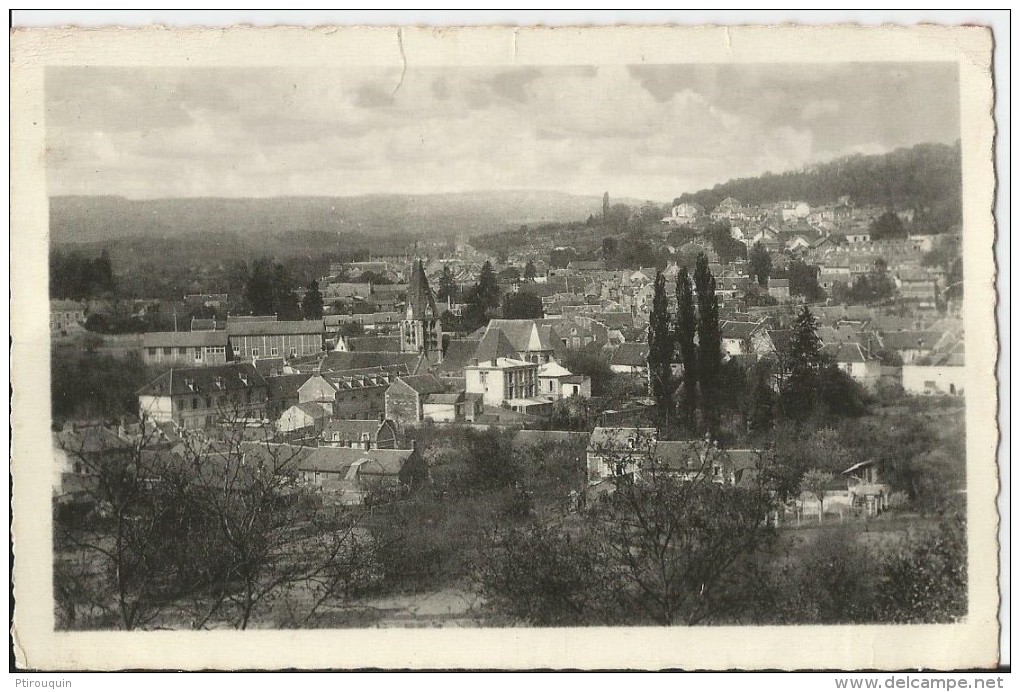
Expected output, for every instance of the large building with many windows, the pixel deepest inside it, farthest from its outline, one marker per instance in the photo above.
(205, 396)
(272, 339)
(185, 348)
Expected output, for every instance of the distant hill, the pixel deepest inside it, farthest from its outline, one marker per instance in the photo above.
(96, 219)
(926, 178)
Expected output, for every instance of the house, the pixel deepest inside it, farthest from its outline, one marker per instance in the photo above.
(287, 339)
(206, 324)
(353, 394)
(360, 434)
(66, 316)
(283, 392)
(865, 487)
(630, 358)
(791, 211)
(684, 213)
(911, 345)
(185, 348)
(305, 418)
(507, 382)
(615, 452)
(353, 476)
(779, 289)
(944, 373)
(406, 396)
(557, 382)
(529, 340)
(204, 396)
(850, 358)
(746, 338)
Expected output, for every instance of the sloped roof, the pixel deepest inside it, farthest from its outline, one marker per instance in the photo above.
(420, 300)
(375, 344)
(494, 344)
(844, 352)
(732, 329)
(552, 369)
(287, 328)
(459, 353)
(313, 410)
(184, 339)
(630, 353)
(424, 384)
(208, 379)
(238, 319)
(898, 341)
(378, 462)
(353, 429)
(266, 365)
(338, 361)
(286, 386)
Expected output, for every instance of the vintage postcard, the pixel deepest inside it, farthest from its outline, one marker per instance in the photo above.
(514, 348)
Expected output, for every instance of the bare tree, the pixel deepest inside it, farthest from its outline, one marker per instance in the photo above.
(816, 482)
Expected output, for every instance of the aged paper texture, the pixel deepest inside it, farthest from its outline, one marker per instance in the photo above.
(39, 645)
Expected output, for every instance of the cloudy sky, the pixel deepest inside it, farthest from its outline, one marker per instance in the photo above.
(648, 132)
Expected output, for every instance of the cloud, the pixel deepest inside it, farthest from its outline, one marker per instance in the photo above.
(649, 132)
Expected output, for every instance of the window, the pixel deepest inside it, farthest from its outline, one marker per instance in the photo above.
(293, 352)
(182, 350)
(180, 404)
(151, 351)
(929, 384)
(198, 354)
(168, 351)
(194, 403)
(483, 376)
(274, 351)
(237, 351)
(254, 353)
(208, 402)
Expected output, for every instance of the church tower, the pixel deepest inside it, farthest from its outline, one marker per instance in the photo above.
(420, 330)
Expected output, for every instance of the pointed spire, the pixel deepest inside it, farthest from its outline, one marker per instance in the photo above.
(420, 300)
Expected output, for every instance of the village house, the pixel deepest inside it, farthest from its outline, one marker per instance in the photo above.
(630, 358)
(911, 346)
(351, 394)
(360, 434)
(779, 289)
(944, 373)
(184, 348)
(746, 339)
(850, 358)
(205, 396)
(66, 316)
(411, 399)
(865, 488)
(283, 392)
(509, 383)
(557, 382)
(351, 476)
(527, 340)
(307, 419)
(287, 339)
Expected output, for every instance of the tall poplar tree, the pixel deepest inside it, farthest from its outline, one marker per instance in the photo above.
(660, 352)
(709, 344)
(686, 325)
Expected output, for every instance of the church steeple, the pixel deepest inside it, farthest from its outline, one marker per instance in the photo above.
(421, 302)
(421, 330)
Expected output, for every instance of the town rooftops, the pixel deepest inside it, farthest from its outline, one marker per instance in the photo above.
(844, 352)
(732, 329)
(459, 353)
(552, 369)
(377, 462)
(286, 386)
(208, 379)
(287, 328)
(184, 339)
(237, 319)
(634, 354)
(902, 341)
(424, 384)
(376, 344)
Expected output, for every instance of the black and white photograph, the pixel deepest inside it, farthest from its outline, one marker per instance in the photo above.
(429, 346)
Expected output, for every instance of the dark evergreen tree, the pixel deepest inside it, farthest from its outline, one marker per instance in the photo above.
(311, 304)
(286, 303)
(605, 207)
(709, 344)
(660, 353)
(447, 285)
(529, 271)
(804, 359)
(888, 225)
(259, 289)
(760, 264)
(686, 326)
(760, 410)
(486, 291)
